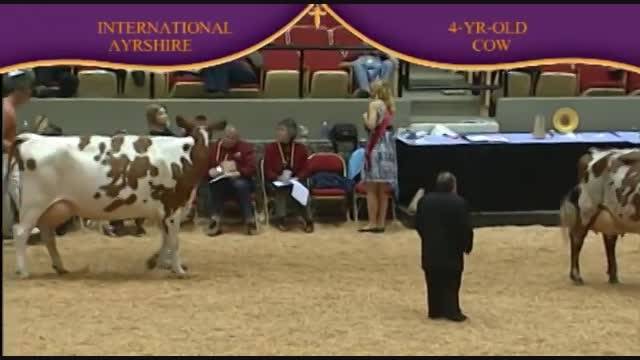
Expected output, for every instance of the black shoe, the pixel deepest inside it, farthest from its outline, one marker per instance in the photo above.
(214, 228)
(308, 226)
(282, 225)
(435, 316)
(252, 228)
(458, 317)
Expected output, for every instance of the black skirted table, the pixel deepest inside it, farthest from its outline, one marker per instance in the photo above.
(508, 172)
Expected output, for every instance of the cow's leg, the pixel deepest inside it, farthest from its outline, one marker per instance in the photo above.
(21, 233)
(172, 227)
(157, 259)
(49, 238)
(577, 240)
(612, 265)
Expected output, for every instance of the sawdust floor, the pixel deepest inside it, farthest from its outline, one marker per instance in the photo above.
(334, 292)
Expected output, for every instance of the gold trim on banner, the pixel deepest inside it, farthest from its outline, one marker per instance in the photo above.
(475, 67)
(162, 68)
(329, 11)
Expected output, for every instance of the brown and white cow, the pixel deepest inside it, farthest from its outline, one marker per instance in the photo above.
(108, 178)
(606, 200)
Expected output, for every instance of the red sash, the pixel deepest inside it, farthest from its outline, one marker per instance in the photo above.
(376, 135)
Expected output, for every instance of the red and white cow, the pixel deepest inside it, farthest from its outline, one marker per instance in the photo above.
(606, 200)
(108, 178)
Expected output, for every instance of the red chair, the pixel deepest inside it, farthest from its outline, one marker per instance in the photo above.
(342, 36)
(600, 77)
(360, 193)
(633, 83)
(566, 68)
(182, 78)
(281, 59)
(309, 35)
(330, 163)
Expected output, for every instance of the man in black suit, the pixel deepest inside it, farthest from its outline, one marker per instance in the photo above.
(444, 225)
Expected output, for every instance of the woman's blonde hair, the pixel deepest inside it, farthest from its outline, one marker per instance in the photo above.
(152, 113)
(381, 90)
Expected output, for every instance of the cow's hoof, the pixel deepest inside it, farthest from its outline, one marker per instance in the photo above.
(60, 271)
(152, 262)
(614, 281)
(577, 280)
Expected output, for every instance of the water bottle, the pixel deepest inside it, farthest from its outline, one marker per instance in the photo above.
(324, 131)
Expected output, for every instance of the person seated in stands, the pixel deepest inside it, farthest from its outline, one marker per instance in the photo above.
(369, 66)
(220, 78)
(232, 167)
(55, 81)
(286, 159)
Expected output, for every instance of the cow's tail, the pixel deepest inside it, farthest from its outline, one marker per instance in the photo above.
(13, 154)
(570, 213)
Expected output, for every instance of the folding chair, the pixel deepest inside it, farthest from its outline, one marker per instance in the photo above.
(331, 163)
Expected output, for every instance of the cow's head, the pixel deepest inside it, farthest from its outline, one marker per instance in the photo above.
(200, 129)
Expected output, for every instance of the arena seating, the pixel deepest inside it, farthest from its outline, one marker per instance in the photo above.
(280, 71)
(556, 84)
(97, 84)
(596, 80)
(519, 84)
(633, 83)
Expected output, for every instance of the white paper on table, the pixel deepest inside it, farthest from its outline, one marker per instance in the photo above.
(491, 137)
(300, 193)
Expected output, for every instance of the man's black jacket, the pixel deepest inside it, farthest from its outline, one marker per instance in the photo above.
(444, 224)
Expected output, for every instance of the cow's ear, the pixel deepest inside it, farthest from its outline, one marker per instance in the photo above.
(184, 123)
(217, 125)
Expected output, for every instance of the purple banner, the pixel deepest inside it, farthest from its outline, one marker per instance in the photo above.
(458, 35)
(466, 34)
(149, 34)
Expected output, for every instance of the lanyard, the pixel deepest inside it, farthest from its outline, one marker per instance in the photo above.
(218, 153)
(284, 161)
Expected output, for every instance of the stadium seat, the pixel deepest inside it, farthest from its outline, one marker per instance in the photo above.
(604, 92)
(519, 84)
(281, 73)
(309, 36)
(360, 193)
(97, 84)
(327, 79)
(633, 83)
(188, 90)
(600, 77)
(131, 90)
(325, 162)
(341, 36)
(183, 77)
(161, 85)
(556, 84)
(566, 68)
(245, 91)
(281, 84)
(329, 84)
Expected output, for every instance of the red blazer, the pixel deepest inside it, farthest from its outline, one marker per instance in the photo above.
(274, 164)
(243, 153)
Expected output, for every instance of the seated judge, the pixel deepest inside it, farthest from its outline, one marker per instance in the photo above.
(444, 225)
(232, 164)
(284, 160)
